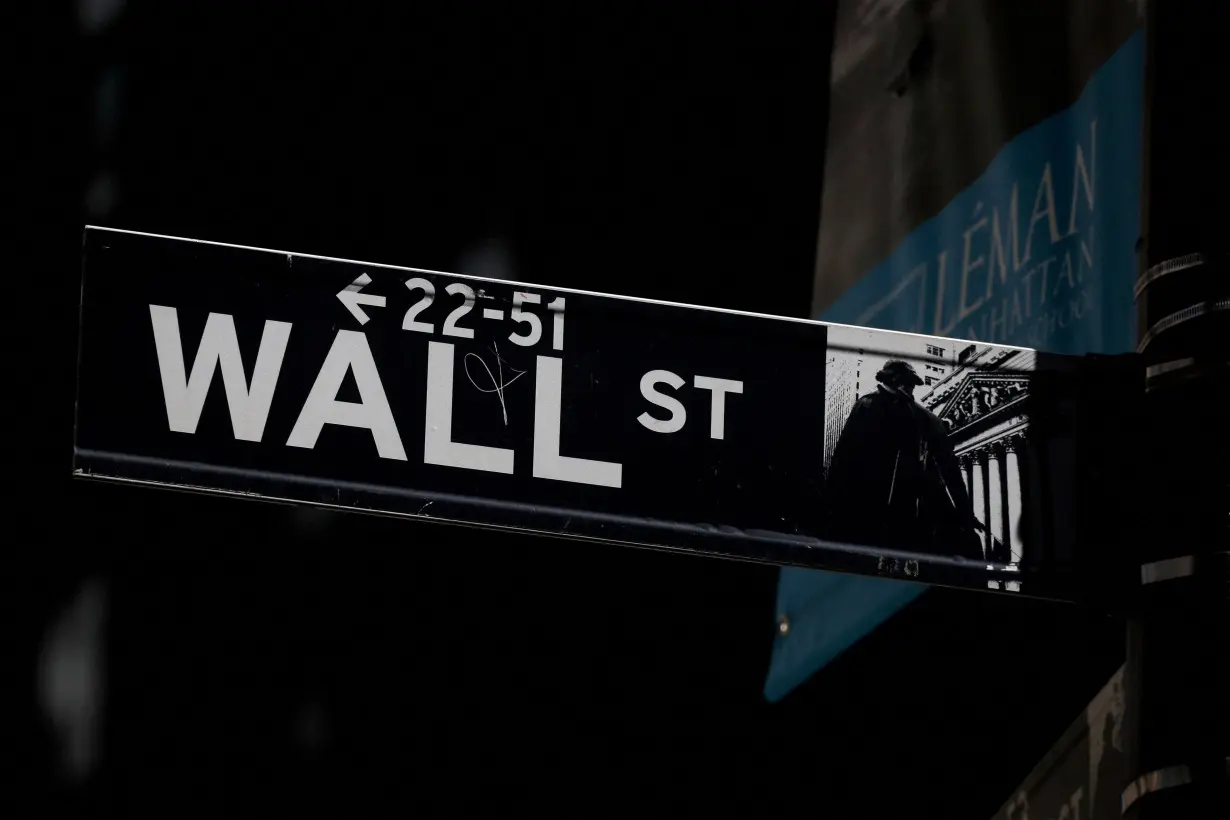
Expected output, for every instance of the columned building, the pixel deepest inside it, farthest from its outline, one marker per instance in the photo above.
(982, 401)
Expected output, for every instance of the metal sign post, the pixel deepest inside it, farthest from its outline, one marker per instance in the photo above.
(1178, 657)
(287, 377)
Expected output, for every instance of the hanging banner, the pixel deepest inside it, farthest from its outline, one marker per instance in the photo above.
(422, 394)
(982, 180)
(1083, 774)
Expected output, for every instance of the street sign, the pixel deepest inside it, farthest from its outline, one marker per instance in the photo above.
(375, 388)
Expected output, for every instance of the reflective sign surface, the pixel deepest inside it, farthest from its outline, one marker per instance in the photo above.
(406, 392)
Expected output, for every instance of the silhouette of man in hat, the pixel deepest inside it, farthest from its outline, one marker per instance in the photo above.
(894, 480)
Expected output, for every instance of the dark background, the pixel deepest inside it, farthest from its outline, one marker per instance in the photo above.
(645, 148)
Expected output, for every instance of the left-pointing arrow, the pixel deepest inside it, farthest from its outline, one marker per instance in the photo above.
(352, 296)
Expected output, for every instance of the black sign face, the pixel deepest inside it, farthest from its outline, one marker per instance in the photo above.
(405, 392)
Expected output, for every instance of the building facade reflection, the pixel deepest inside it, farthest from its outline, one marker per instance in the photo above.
(983, 403)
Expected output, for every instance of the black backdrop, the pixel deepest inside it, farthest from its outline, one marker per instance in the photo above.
(645, 148)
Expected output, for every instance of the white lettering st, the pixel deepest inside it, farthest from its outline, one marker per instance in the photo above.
(679, 414)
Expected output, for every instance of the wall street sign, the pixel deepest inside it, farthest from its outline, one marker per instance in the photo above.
(369, 387)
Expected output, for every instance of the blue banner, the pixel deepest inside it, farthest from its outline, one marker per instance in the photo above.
(1039, 252)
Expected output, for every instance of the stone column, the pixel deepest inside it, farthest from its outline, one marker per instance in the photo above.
(1012, 484)
(977, 494)
(966, 473)
(995, 500)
